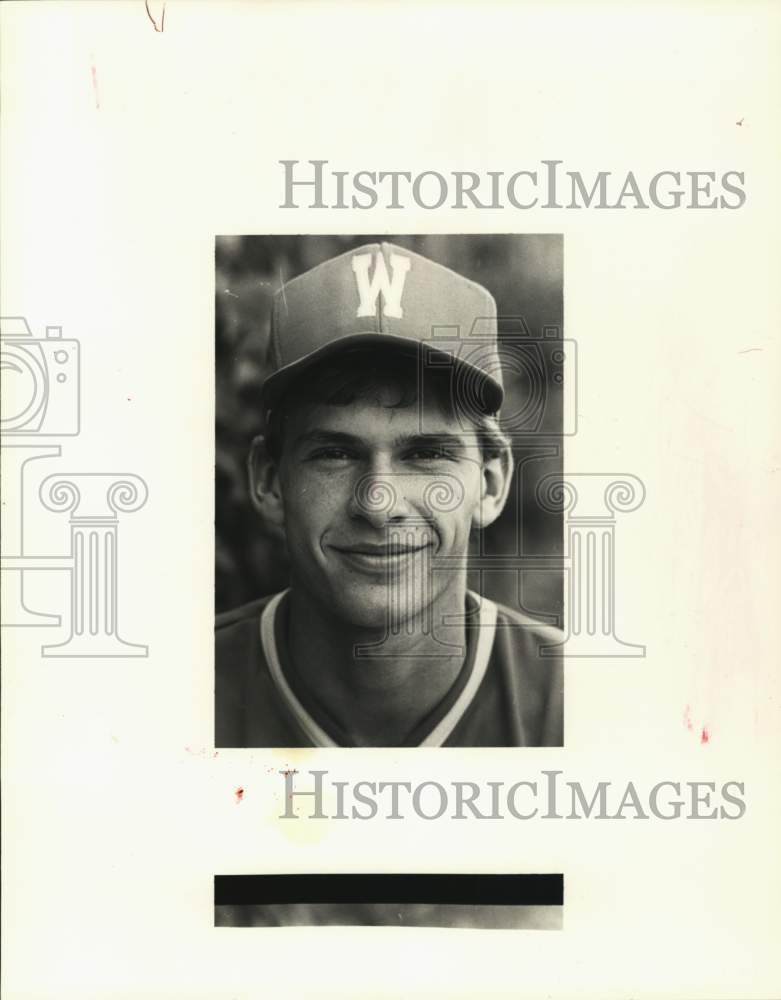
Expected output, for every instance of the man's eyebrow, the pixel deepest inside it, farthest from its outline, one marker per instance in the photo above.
(327, 438)
(442, 439)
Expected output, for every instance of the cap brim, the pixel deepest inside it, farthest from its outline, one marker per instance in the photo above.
(486, 393)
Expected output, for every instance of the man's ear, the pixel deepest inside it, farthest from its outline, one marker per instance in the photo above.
(497, 474)
(264, 486)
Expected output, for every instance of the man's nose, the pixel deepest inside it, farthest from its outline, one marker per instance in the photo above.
(379, 497)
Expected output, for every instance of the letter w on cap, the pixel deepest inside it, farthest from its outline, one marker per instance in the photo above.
(391, 287)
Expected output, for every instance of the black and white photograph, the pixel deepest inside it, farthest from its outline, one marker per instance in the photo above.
(387, 409)
(390, 488)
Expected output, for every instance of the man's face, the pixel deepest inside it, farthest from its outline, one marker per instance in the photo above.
(370, 501)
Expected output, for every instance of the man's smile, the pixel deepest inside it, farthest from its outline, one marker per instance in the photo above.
(380, 556)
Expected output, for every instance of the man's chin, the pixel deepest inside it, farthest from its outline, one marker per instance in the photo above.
(376, 612)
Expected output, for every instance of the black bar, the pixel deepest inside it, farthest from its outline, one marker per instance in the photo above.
(493, 890)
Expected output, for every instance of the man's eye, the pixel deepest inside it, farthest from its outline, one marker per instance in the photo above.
(430, 455)
(331, 454)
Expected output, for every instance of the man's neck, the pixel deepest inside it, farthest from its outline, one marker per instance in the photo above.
(377, 699)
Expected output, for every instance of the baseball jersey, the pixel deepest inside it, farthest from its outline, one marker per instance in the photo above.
(509, 692)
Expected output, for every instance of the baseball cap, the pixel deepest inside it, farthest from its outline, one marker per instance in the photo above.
(382, 294)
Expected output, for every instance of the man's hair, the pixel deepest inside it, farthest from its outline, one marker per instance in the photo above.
(391, 377)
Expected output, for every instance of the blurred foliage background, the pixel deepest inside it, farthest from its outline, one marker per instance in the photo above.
(524, 274)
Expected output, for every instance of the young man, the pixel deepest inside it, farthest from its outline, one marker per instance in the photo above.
(382, 455)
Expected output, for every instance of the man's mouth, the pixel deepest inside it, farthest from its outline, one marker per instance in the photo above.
(391, 549)
(380, 556)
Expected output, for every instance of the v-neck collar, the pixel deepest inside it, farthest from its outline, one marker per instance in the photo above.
(484, 629)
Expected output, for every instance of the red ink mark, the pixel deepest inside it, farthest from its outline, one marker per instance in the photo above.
(687, 721)
(705, 736)
(95, 85)
(158, 27)
(290, 771)
(239, 793)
